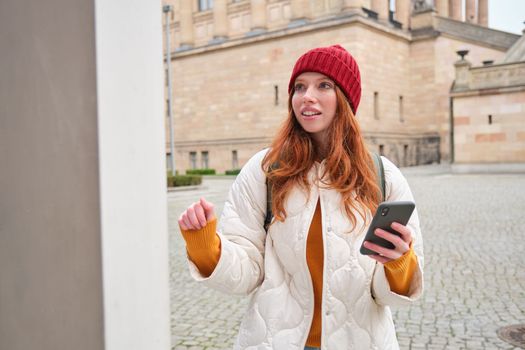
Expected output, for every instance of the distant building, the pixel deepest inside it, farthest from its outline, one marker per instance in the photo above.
(231, 61)
(489, 109)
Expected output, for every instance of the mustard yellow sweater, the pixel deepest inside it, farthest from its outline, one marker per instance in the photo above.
(204, 249)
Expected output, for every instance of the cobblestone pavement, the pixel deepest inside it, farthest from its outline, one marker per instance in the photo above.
(474, 267)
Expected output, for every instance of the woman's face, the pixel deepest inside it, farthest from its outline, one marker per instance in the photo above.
(314, 103)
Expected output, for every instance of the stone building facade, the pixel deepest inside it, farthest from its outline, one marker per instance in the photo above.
(489, 109)
(231, 61)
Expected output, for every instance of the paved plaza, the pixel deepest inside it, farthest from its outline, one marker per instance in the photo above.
(474, 238)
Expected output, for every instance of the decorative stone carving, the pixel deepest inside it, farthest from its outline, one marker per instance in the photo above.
(422, 5)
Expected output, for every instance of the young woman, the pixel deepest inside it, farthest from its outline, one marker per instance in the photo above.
(311, 286)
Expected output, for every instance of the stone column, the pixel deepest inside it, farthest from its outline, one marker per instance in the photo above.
(258, 13)
(462, 71)
(300, 9)
(470, 11)
(442, 7)
(381, 7)
(402, 14)
(483, 13)
(186, 24)
(353, 5)
(220, 19)
(456, 11)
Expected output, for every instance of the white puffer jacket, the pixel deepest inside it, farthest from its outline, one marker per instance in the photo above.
(356, 293)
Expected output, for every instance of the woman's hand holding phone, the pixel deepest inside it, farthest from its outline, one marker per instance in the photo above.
(388, 237)
(401, 243)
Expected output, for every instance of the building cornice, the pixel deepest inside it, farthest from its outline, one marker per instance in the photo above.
(226, 141)
(472, 32)
(295, 29)
(447, 27)
(369, 135)
(398, 135)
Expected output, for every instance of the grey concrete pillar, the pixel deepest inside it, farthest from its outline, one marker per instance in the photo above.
(442, 7)
(483, 13)
(455, 10)
(83, 233)
(402, 13)
(258, 13)
(186, 24)
(381, 7)
(471, 15)
(220, 19)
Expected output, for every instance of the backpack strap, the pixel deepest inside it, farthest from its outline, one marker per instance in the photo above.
(269, 214)
(380, 174)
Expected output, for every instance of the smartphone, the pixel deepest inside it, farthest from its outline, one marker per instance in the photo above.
(386, 214)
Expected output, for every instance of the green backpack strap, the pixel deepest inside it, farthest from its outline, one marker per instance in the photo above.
(380, 174)
(269, 214)
(380, 178)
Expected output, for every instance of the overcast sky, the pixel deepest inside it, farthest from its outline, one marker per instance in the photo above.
(507, 15)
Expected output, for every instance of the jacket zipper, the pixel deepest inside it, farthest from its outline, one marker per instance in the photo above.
(325, 256)
(318, 198)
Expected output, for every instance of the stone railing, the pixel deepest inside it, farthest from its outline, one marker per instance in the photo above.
(510, 74)
(488, 77)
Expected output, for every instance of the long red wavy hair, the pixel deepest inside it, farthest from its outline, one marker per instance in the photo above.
(349, 168)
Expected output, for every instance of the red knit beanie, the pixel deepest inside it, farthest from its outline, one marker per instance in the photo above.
(337, 64)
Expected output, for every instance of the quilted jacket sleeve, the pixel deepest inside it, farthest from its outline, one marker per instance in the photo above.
(241, 265)
(397, 189)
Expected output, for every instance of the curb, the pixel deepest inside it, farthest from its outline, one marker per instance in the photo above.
(489, 168)
(186, 188)
(218, 177)
(430, 169)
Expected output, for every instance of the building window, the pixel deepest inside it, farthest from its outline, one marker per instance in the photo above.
(392, 6)
(381, 150)
(376, 105)
(276, 91)
(193, 160)
(235, 160)
(405, 155)
(401, 116)
(204, 159)
(205, 5)
(490, 119)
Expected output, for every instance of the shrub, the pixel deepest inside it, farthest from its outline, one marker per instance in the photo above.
(184, 180)
(233, 172)
(200, 172)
